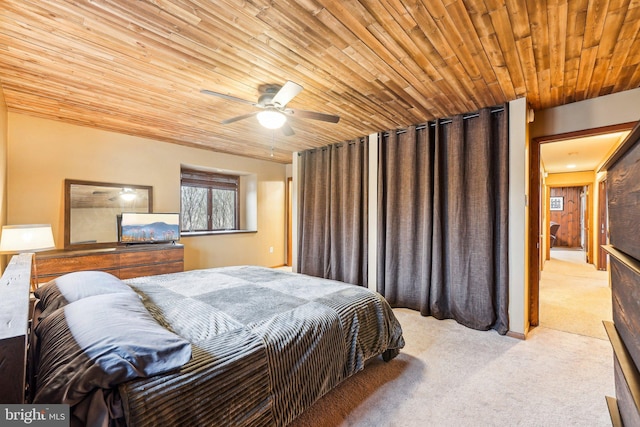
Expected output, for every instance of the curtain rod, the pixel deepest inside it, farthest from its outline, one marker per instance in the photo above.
(432, 123)
(359, 140)
(446, 121)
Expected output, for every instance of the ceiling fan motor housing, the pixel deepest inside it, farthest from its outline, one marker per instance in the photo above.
(267, 92)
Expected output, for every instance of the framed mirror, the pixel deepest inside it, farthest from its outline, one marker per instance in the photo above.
(91, 210)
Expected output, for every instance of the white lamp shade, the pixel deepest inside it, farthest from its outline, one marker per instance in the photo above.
(271, 119)
(26, 238)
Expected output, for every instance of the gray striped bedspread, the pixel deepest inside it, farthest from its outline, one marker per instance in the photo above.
(266, 344)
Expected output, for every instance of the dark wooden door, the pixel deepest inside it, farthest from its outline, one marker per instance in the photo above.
(603, 226)
(566, 212)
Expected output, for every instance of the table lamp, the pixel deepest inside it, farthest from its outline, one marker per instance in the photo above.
(27, 238)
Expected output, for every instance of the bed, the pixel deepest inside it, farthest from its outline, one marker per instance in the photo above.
(233, 346)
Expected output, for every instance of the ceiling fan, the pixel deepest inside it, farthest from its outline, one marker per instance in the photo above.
(272, 105)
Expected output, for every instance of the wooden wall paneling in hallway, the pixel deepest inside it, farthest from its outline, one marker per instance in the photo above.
(569, 217)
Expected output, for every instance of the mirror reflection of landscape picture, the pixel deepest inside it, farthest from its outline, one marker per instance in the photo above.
(149, 227)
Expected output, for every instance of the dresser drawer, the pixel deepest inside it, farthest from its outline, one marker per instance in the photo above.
(151, 256)
(623, 187)
(625, 290)
(57, 266)
(151, 270)
(626, 404)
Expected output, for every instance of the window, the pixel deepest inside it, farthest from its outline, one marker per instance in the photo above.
(210, 201)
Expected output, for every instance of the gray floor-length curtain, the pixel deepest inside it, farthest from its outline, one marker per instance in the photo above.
(443, 217)
(333, 197)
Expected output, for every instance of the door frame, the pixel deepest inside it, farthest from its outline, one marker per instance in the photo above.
(289, 220)
(535, 185)
(587, 210)
(603, 224)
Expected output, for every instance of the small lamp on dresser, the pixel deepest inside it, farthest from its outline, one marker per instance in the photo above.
(27, 238)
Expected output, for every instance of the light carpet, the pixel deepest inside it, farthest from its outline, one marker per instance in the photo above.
(574, 296)
(450, 375)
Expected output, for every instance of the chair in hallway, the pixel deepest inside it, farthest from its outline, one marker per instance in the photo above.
(553, 231)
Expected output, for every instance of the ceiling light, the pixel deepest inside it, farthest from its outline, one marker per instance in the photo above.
(271, 119)
(571, 166)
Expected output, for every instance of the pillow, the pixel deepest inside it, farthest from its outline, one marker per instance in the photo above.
(100, 342)
(75, 286)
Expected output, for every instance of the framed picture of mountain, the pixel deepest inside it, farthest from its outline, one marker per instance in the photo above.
(149, 227)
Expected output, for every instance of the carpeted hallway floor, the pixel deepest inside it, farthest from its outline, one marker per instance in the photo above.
(574, 296)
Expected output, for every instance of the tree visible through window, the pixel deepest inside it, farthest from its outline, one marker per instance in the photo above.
(209, 201)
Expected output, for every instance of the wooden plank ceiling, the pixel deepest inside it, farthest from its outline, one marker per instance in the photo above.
(137, 66)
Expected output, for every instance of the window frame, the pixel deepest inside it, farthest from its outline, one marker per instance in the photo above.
(209, 180)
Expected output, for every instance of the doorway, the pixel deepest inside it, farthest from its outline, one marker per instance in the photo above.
(568, 211)
(539, 209)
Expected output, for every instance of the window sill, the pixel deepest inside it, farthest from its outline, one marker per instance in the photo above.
(213, 233)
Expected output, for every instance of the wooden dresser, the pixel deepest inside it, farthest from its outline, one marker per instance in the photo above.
(623, 190)
(124, 262)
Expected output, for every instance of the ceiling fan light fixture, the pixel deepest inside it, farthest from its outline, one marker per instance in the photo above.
(271, 119)
(127, 194)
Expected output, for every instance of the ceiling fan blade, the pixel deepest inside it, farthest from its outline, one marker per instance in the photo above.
(287, 130)
(313, 115)
(228, 97)
(242, 117)
(286, 93)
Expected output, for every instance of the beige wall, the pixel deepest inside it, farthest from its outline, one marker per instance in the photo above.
(3, 167)
(518, 217)
(621, 107)
(43, 153)
(568, 179)
(3, 158)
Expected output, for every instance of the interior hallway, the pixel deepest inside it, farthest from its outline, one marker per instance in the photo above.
(574, 296)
